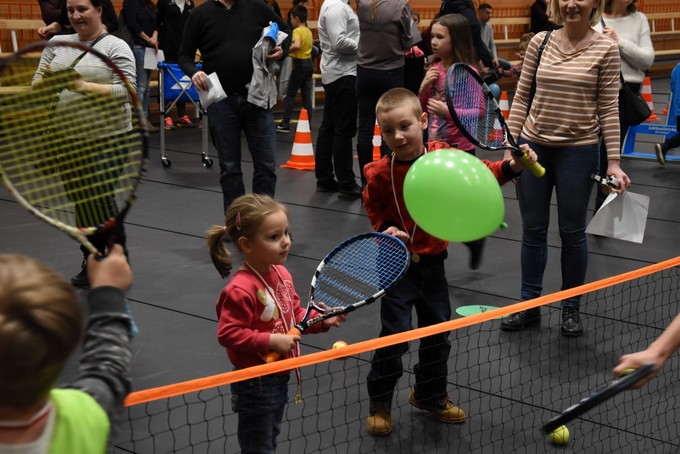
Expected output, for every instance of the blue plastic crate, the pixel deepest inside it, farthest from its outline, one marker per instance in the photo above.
(177, 86)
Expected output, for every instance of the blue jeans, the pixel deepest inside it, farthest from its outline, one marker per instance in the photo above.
(143, 77)
(371, 84)
(259, 403)
(227, 118)
(567, 170)
(424, 287)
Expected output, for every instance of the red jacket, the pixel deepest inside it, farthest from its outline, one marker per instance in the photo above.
(247, 314)
(382, 211)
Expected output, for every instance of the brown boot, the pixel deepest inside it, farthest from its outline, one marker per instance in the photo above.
(379, 422)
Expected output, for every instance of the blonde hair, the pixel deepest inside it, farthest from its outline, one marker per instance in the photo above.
(556, 14)
(524, 41)
(398, 97)
(40, 326)
(244, 216)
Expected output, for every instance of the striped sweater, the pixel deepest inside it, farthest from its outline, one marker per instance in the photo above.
(576, 96)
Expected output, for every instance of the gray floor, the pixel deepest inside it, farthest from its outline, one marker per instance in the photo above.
(176, 285)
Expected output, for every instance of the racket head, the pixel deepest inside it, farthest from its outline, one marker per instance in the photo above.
(356, 273)
(597, 398)
(474, 109)
(72, 158)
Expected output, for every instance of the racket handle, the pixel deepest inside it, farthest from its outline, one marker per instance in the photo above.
(535, 168)
(273, 356)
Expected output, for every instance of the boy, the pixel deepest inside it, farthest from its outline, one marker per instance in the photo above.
(301, 74)
(40, 326)
(425, 286)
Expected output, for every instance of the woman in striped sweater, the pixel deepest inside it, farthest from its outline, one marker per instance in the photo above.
(576, 100)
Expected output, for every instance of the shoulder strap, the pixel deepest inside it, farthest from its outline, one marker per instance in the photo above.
(80, 57)
(532, 93)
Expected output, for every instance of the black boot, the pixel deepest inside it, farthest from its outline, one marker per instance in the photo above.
(571, 322)
(520, 320)
(81, 280)
(476, 249)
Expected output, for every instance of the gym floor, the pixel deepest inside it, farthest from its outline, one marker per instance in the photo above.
(176, 286)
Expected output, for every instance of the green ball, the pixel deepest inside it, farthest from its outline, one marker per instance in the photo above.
(560, 436)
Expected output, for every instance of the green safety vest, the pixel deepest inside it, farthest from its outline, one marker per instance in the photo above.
(82, 426)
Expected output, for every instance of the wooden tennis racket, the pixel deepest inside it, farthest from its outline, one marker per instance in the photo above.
(71, 149)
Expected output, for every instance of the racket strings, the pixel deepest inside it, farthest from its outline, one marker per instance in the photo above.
(475, 107)
(359, 270)
(71, 156)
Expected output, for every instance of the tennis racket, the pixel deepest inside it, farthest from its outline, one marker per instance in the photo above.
(71, 149)
(354, 274)
(475, 111)
(615, 387)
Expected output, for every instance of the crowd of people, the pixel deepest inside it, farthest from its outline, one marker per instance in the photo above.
(363, 60)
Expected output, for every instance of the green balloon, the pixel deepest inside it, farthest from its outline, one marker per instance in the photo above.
(454, 196)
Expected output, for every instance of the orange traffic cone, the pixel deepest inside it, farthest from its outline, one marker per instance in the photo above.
(647, 96)
(302, 155)
(377, 141)
(665, 109)
(505, 105)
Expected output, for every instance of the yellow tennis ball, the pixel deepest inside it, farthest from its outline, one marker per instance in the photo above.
(560, 436)
(339, 344)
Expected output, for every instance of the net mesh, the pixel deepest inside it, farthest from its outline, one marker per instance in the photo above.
(508, 384)
(70, 153)
(473, 107)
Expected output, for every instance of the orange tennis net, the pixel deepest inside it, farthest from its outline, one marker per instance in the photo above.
(508, 384)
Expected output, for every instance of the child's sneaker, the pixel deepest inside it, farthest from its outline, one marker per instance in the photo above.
(443, 409)
(168, 124)
(282, 127)
(185, 122)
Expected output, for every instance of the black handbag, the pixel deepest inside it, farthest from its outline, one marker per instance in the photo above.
(633, 109)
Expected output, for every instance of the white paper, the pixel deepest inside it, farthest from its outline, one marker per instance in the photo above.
(214, 93)
(622, 216)
(151, 58)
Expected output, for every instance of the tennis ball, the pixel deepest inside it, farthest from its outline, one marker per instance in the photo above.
(339, 344)
(559, 436)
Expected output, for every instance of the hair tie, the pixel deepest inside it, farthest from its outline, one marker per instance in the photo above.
(225, 229)
(238, 221)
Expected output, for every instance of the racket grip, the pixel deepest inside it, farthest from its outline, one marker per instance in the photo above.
(535, 168)
(273, 356)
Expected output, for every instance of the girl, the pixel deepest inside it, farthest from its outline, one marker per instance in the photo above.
(256, 310)
(432, 92)
(432, 89)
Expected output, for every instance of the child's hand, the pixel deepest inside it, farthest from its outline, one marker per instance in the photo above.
(438, 107)
(282, 343)
(431, 76)
(334, 321)
(516, 165)
(394, 231)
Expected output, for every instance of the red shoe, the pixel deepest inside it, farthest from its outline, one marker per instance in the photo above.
(168, 124)
(185, 122)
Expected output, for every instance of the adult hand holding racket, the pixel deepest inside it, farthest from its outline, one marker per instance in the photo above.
(71, 150)
(354, 274)
(628, 379)
(475, 111)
